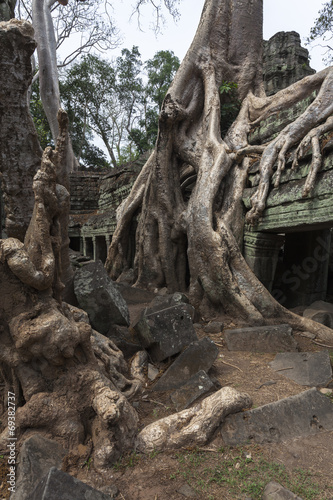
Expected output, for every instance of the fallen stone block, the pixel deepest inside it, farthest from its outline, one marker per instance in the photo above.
(305, 368)
(320, 311)
(38, 454)
(153, 372)
(187, 491)
(213, 327)
(304, 414)
(58, 485)
(98, 296)
(166, 332)
(161, 302)
(274, 491)
(199, 355)
(261, 339)
(133, 295)
(198, 385)
(194, 426)
(125, 339)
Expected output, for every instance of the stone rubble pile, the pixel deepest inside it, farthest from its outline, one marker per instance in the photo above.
(168, 356)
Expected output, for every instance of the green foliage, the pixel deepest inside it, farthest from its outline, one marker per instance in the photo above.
(111, 101)
(323, 29)
(161, 70)
(230, 105)
(126, 461)
(239, 475)
(85, 89)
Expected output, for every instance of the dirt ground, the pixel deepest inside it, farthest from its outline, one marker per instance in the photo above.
(217, 471)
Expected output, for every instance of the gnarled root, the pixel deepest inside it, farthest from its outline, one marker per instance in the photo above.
(70, 383)
(312, 139)
(304, 127)
(194, 426)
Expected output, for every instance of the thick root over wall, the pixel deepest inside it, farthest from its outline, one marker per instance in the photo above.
(70, 383)
(188, 239)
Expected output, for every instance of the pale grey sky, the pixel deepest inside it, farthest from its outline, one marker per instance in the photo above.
(281, 15)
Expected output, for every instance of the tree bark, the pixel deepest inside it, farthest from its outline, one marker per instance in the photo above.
(69, 382)
(192, 242)
(48, 71)
(194, 426)
(20, 150)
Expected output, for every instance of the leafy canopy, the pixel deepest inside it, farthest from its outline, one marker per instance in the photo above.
(117, 102)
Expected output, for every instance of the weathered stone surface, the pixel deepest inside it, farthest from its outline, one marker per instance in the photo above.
(194, 426)
(198, 385)
(261, 252)
(320, 311)
(287, 200)
(274, 491)
(166, 332)
(97, 295)
(84, 188)
(152, 372)
(161, 302)
(187, 491)
(261, 339)
(20, 150)
(307, 413)
(125, 339)
(57, 484)
(305, 368)
(134, 295)
(38, 454)
(199, 355)
(213, 327)
(285, 61)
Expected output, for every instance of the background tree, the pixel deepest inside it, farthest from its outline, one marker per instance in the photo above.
(190, 243)
(113, 101)
(323, 29)
(51, 31)
(87, 94)
(161, 70)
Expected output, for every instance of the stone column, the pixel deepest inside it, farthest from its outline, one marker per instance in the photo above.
(261, 252)
(84, 245)
(94, 248)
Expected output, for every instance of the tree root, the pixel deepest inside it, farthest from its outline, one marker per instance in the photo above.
(304, 127)
(194, 426)
(70, 382)
(312, 138)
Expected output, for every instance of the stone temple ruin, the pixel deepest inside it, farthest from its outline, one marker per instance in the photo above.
(290, 245)
(289, 249)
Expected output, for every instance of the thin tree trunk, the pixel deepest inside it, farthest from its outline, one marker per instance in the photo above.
(48, 71)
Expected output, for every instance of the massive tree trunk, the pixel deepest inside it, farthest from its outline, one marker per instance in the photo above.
(192, 243)
(69, 381)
